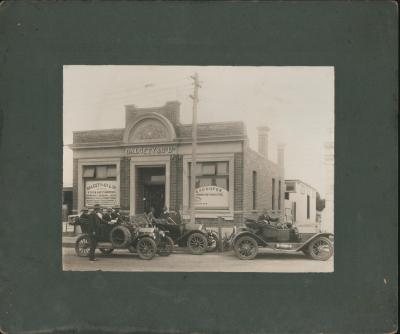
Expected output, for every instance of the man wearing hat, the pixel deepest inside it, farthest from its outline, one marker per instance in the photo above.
(266, 218)
(106, 215)
(84, 213)
(95, 219)
(115, 214)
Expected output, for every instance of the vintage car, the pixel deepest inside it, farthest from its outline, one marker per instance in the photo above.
(246, 241)
(195, 237)
(146, 241)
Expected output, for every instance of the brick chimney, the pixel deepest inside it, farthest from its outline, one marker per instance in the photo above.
(172, 111)
(263, 140)
(281, 155)
(130, 113)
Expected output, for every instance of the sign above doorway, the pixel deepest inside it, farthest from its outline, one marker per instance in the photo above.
(150, 150)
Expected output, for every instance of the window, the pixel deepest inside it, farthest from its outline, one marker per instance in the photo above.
(111, 171)
(208, 169)
(279, 195)
(254, 189)
(100, 172)
(308, 206)
(286, 195)
(215, 176)
(273, 194)
(294, 212)
(89, 171)
(291, 186)
(222, 168)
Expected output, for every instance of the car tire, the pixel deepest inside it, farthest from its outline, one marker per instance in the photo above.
(165, 247)
(146, 248)
(246, 248)
(82, 246)
(120, 237)
(106, 251)
(320, 249)
(306, 251)
(212, 243)
(197, 243)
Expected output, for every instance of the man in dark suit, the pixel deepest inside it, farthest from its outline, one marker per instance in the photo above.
(95, 219)
(84, 213)
(265, 217)
(106, 215)
(115, 214)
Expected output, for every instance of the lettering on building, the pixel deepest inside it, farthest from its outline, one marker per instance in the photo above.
(151, 150)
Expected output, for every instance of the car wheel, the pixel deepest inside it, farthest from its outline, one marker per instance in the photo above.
(106, 251)
(246, 248)
(212, 243)
(305, 251)
(197, 243)
(120, 236)
(165, 247)
(320, 249)
(82, 246)
(146, 248)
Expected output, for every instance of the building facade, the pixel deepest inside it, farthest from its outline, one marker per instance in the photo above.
(301, 206)
(147, 164)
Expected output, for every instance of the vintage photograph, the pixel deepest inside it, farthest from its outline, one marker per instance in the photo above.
(198, 168)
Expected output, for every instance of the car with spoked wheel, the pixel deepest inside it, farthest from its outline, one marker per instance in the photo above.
(144, 240)
(257, 234)
(195, 237)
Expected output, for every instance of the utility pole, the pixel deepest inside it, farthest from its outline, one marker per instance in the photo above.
(195, 98)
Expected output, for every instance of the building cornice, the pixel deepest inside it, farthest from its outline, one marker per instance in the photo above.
(183, 141)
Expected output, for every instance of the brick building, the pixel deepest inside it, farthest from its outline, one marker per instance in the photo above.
(147, 164)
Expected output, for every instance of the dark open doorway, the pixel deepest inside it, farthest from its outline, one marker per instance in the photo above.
(150, 189)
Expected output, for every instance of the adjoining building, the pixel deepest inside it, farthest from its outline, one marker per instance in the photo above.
(301, 206)
(147, 164)
(66, 203)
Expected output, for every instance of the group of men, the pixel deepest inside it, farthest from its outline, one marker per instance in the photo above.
(95, 218)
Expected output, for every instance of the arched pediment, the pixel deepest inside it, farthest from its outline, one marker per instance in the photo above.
(151, 127)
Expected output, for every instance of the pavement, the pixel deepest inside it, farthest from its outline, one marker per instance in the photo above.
(181, 260)
(68, 241)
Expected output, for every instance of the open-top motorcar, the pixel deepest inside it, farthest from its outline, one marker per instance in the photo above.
(195, 237)
(255, 234)
(146, 241)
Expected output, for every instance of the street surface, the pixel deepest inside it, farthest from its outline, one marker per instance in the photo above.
(266, 261)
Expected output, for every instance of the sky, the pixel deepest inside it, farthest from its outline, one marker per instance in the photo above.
(296, 103)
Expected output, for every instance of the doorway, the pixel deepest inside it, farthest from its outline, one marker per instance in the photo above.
(150, 189)
(154, 198)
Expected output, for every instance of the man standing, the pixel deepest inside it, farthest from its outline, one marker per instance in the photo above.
(95, 219)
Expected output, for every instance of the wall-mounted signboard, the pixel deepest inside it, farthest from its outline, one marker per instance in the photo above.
(211, 197)
(101, 192)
